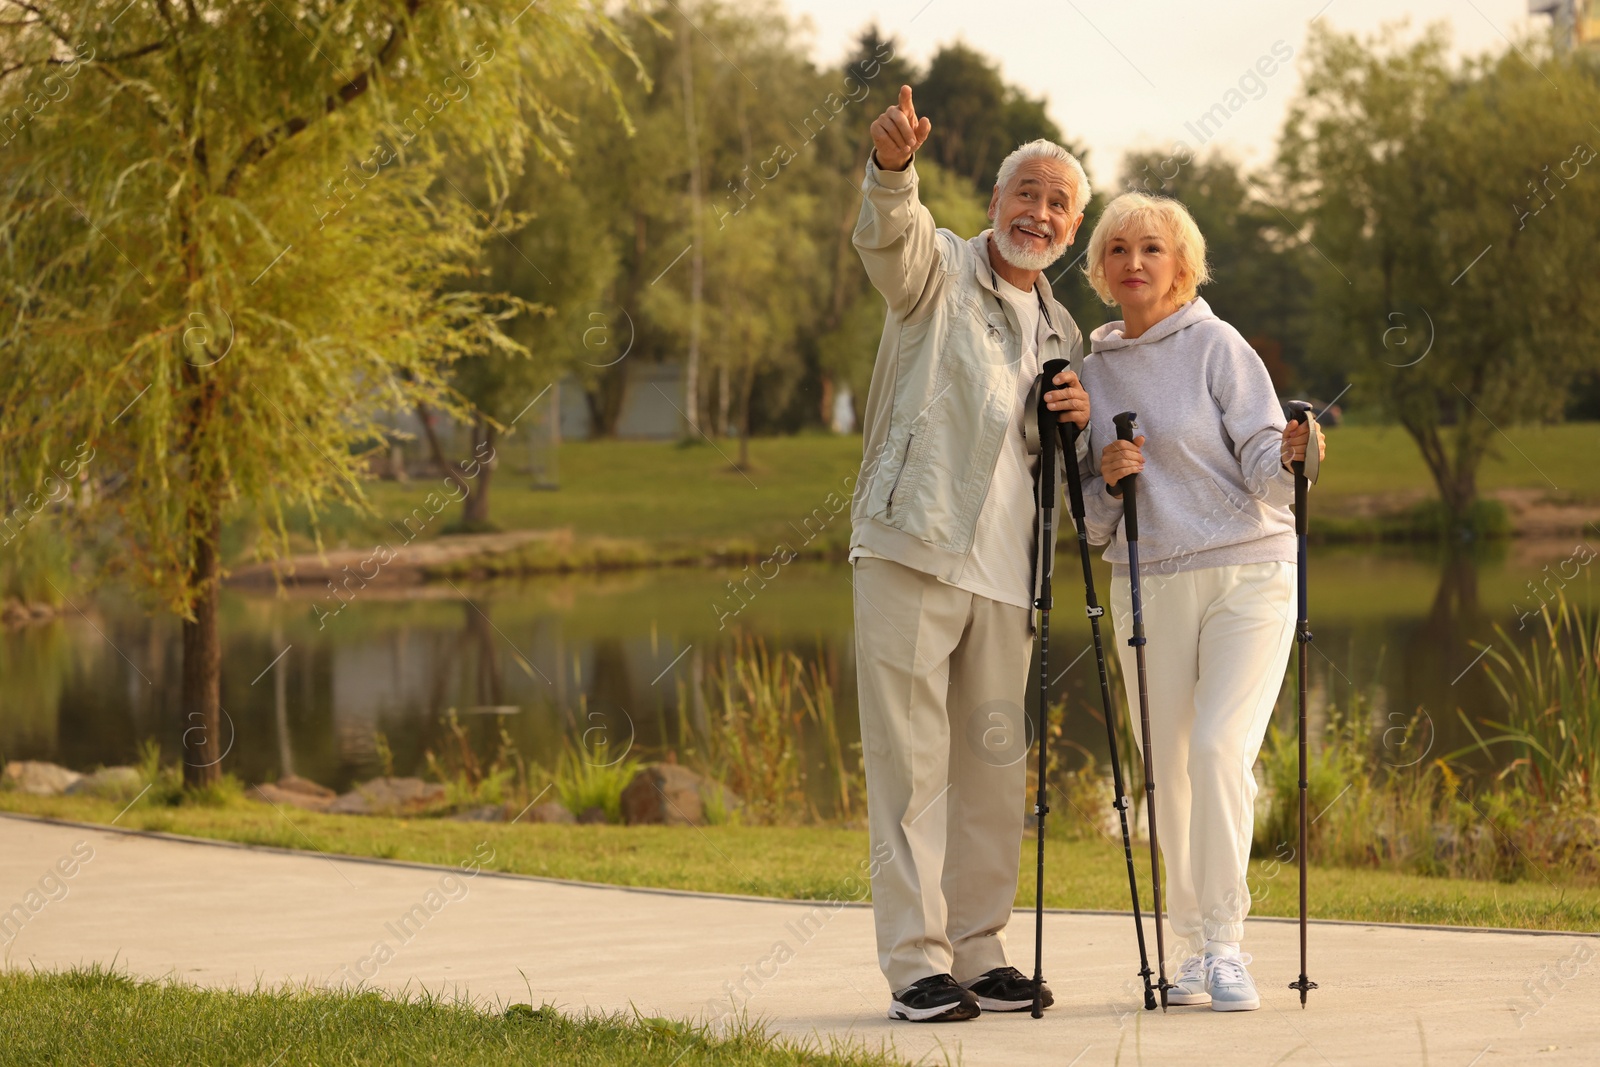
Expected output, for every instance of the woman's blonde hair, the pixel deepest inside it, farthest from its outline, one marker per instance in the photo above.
(1159, 214)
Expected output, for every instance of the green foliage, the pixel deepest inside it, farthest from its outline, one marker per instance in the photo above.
(384, 751)
(1454, 286)
(165, 786)
(1551, 687)
(471, 781)
(783, 302)
(952, 203)
(1419, 817)
(36, 565)
(744, 275)
(589, 776)
(216, 279)
(1482, 520)
(846, 352)
(168, 790)
(980, 118)
(1082, 801)
(765, 713)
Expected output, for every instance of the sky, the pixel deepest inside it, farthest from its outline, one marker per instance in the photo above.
(1143, 70)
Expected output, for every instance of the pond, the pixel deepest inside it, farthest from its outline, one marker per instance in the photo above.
(593, 657)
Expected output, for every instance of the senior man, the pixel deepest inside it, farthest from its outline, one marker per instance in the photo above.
(947, 559)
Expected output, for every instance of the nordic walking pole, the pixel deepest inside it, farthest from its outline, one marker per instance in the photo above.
(1047, 506)
(1130, 521)
(1302, 633)
(1069, 449)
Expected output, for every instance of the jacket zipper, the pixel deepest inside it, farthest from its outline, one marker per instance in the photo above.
(889, 503)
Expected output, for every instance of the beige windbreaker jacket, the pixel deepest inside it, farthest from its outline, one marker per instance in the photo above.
(944, 385)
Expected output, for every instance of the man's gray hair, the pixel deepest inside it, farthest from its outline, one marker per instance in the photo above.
(1048, 150)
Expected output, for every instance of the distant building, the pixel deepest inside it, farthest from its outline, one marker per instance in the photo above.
(652, 410)
(652, 404)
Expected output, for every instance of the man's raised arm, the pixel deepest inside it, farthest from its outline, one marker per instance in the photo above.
(895, 234)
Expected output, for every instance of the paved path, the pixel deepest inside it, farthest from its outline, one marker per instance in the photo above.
(221, 915)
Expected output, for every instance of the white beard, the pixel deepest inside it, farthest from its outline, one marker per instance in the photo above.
(1022, 258)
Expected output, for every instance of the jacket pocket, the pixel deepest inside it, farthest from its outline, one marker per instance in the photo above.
(888, 505)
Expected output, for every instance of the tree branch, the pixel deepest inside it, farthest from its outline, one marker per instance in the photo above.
(44, 20)
(258, 147)
(153, 46)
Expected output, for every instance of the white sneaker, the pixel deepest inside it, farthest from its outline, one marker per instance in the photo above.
(1190, 985)
(1229, 984)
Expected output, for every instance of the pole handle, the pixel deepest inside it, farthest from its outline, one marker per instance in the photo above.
(1299, 411)
(1066, 433)
(1125, 423)
(1047, 439)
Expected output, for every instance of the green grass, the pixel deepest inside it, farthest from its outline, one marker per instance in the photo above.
(824, 863)
(635, 502)
(94, 1018)
(662, 498)
(1383, 459)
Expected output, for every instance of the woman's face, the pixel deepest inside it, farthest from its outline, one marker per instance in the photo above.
(1141, 271)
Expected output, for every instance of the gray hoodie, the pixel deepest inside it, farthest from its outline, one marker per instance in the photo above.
(1214, 491)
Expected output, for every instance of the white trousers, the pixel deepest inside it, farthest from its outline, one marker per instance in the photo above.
(1218, 640)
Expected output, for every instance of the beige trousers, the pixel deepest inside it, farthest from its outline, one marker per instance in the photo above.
(1218, 639)
(941, 675)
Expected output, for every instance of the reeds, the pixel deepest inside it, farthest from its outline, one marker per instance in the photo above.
(1552, 694)
(469, 780)
(1427, 817)
(765, 713)
(590, 776)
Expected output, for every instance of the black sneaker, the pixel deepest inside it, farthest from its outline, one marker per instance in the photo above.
(1005, 989)
(935, 999)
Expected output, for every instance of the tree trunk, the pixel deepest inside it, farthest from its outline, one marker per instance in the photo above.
(201, 698)
(744, 414)
(697, 266)
(280, 703)
(1456, 477)
(546, 458)
(475, 509)
(445, 466)
(721, 428)
(1463, 489)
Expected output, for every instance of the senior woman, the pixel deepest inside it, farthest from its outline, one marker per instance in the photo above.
(1217, 558)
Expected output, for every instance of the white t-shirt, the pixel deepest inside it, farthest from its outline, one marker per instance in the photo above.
(1000, 565)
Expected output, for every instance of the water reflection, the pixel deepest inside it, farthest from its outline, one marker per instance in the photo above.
(610, 657)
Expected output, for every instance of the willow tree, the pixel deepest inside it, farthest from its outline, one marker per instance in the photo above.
(1454, 211)
(225, 250)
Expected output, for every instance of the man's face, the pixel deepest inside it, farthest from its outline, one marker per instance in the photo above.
(1033, 218)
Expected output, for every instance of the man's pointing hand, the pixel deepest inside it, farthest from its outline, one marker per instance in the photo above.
(898, 132)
